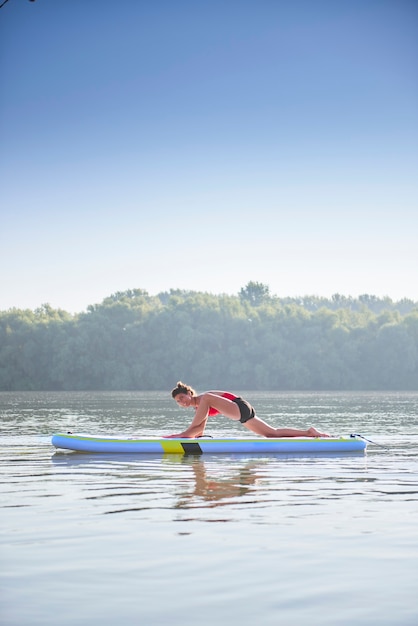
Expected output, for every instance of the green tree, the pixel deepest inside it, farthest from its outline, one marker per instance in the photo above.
(255, 293)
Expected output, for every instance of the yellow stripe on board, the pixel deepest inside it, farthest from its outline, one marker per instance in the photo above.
(171, 446)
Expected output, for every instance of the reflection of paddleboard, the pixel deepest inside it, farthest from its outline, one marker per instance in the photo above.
(206, 445)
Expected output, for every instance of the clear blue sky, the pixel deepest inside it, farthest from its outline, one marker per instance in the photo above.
(203, 144)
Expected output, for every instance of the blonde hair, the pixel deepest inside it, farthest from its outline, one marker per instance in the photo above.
(182, 388)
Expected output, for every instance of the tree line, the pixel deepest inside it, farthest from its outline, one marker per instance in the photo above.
(252, 340)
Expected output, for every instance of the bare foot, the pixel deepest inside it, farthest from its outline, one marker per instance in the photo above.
(312, 432)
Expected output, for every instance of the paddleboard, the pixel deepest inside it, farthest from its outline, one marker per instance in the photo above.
(206, 445)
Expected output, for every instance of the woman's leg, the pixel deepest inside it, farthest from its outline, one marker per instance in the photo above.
(223, 405)
(256, 425)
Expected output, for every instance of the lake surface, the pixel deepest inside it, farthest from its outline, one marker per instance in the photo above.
(292, 540)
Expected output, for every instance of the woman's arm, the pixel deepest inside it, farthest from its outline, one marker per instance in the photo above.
(197, 427)
(194, 430)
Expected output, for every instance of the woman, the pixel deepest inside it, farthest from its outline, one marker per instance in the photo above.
(232, 406)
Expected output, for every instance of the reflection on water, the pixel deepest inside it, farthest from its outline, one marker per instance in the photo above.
(213, 490)
(208, 482)
(130, 483)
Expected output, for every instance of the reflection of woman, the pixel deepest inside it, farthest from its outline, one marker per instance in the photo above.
(215, 489)
(232, 406)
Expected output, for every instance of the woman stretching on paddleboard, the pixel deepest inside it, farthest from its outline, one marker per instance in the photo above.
(232, 406)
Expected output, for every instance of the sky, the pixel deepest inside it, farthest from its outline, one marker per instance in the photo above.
(204, 144)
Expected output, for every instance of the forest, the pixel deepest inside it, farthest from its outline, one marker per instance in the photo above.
(248, 341)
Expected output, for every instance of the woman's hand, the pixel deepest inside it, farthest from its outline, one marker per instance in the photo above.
(190, 433)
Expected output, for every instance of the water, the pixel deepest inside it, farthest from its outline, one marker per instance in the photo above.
(288, 540)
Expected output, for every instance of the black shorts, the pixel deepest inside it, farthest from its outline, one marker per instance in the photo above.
(246, 410)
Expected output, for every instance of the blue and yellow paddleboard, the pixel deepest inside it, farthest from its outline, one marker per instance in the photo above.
(206, 445)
